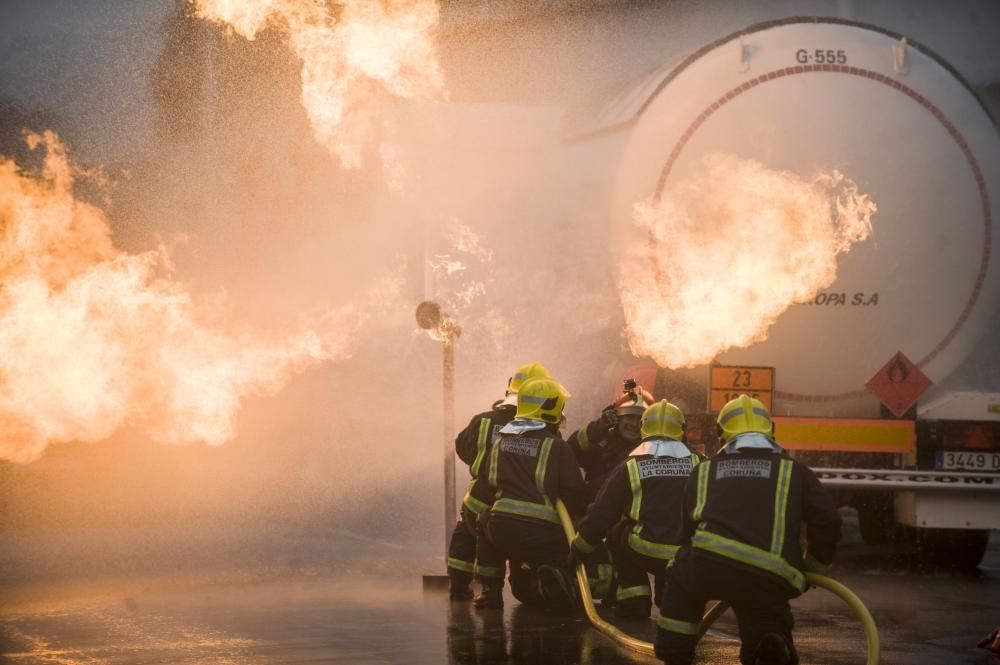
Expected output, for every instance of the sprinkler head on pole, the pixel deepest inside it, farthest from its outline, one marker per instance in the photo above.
(437, 324)
(429, 315)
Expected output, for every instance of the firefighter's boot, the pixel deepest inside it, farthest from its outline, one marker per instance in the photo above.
(458, 586)
(633, 608)
(523, 584)
(557, 590)
(491, 596)
(774, 649)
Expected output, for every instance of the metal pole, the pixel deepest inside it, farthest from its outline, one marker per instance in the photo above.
(450, 514)
(430, 318)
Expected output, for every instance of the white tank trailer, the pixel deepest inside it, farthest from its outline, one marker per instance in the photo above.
(807, 94)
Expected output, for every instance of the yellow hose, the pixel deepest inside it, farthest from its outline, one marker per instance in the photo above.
(588, 602)
(714, 612)
(848, 596)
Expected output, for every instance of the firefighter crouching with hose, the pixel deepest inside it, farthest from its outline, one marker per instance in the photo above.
(600, 446)
(473, 446)
(742, 512)
(640, 505)
(530, 467)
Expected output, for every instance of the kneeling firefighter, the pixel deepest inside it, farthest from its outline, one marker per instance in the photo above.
(600, 446)
(643, 495)
(473, 446)
(742, 511)
(529, 468)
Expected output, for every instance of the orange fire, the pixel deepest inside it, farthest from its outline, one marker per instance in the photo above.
(724, 253)
(93, 339)
(356, 57)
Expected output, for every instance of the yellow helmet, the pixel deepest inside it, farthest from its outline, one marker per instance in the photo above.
(741, 415)
(524, 373)
(663, 420)
(541, 399)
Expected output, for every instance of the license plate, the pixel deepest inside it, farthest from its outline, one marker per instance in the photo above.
(952, 459)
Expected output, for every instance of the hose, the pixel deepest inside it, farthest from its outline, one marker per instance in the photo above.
(714, 612)
(848, 596)
(600, 624)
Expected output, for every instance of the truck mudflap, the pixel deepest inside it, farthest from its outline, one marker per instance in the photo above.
(909, 479)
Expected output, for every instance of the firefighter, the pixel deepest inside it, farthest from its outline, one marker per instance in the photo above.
(599, 447)
(604, 443)
(640, 504)
(529, 468)
(472, 445)
(742, 512)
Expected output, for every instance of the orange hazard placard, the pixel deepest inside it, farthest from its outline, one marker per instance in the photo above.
(728, 382)
(898, 384)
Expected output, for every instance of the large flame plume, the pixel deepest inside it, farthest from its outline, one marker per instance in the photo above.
(725, 252)
(93, 339)
(357, 56)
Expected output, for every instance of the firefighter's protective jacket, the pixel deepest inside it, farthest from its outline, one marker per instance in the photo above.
(747, 507)
(473, 445)
(527, 472)
(599, 449)
(647, 490)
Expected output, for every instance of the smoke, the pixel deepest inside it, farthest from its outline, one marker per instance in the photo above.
(729, 250)
(281, 259)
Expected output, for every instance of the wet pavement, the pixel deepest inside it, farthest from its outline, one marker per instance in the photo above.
(332, 616)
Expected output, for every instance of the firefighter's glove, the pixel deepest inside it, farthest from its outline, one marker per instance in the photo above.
(575, 558)
(609, 418)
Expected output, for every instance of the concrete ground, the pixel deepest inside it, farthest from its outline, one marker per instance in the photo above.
(330, 616)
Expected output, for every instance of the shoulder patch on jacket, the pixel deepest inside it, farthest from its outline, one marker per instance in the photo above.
(520, 445)
(664, 466)
(743, 468)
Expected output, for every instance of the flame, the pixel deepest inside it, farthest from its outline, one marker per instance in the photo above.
(93, 340)
(356, 57)
(730, 250)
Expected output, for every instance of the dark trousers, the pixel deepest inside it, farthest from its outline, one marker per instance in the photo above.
(694, 578)
(521, 541)
(462, 548)
(634, 569)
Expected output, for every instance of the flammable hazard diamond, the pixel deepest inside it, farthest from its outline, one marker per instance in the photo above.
(899, 384)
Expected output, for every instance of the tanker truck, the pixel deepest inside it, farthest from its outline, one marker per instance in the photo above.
(886, 380)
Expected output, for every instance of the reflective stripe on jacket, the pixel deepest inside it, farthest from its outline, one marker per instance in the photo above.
(648, 491)
(527, 472)
(472, 443)
(748, 507)
(473, 447)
